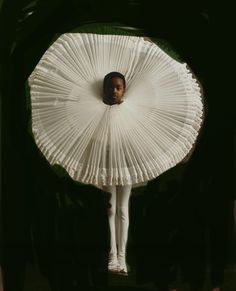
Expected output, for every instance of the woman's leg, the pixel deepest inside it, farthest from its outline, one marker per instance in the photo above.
(112, 226)
(123, 194)
(111, 218)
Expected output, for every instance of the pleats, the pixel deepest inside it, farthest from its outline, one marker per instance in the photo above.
(151, 131)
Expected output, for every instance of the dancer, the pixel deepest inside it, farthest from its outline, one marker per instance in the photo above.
(121, 142)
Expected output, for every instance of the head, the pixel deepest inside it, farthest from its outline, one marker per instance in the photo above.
(113, 88)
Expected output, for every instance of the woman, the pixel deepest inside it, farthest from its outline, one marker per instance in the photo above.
(113, 145)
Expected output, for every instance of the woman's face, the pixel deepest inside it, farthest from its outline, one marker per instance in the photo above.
(114, 91)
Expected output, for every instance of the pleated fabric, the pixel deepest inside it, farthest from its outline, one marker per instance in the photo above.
(133, 142)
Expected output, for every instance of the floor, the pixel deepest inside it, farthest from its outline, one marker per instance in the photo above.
(36, 282)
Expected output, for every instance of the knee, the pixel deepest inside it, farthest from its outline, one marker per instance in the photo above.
(111, 211)
(123, 213)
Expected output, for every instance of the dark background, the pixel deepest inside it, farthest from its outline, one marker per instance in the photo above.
(34, 199)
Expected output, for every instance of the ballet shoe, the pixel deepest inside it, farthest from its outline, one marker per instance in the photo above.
(122, 267)
(112, 264)
(122, 272)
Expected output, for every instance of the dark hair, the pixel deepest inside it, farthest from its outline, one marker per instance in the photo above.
(111, 75)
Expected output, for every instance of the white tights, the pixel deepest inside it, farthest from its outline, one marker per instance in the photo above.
(118, 216)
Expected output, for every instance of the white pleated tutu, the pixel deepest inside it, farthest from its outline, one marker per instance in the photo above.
(150, 132)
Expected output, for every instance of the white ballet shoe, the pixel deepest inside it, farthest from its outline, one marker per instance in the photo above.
(112, 264)
(122, 267)
(122, 270)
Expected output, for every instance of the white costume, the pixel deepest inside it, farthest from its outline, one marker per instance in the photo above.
(119, 145)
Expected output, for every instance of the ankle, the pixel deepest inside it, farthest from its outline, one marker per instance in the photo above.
(112, 255)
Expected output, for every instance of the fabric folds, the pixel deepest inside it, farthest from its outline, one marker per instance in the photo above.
(151, 131)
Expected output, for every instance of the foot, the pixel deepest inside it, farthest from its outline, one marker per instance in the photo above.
(122, 267)
(122, 272)
(112, 264)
